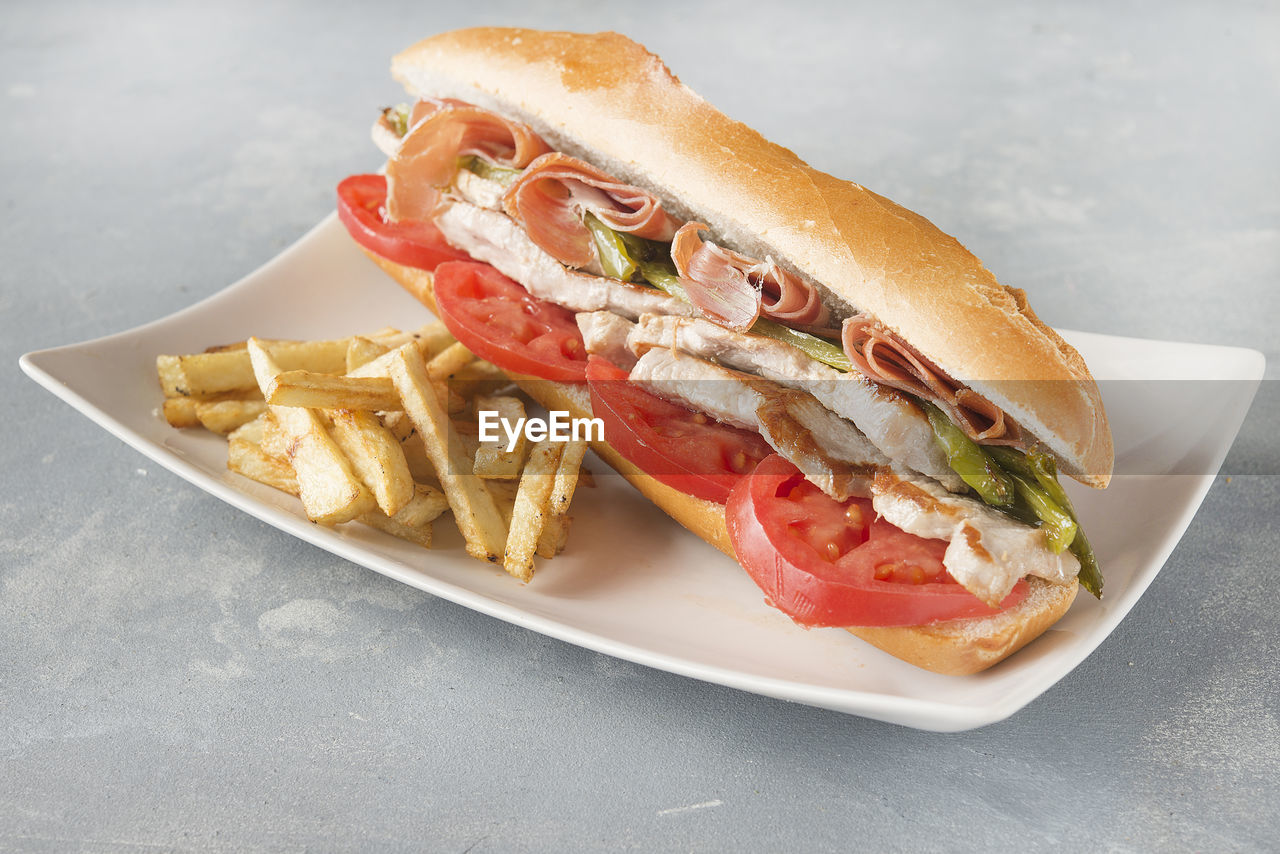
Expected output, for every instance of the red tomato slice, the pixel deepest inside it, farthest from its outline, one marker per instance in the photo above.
(361, 208)
(502, 322)
(685, 450)
(827, 563)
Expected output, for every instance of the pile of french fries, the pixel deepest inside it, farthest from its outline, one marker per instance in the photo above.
(381, 429)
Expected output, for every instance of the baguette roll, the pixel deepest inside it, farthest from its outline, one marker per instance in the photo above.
(607, 100)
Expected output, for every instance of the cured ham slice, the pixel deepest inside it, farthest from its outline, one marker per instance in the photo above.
(734, 290)
(550, 198)
(439, 134)
(427, 107)
(886, 358)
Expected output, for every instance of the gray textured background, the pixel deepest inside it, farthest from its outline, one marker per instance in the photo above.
(175, 674)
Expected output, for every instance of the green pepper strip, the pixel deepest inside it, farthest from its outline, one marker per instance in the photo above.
(621, 254)
(642, 249)
(1040, 466)
(968, 460)
(662, 275)
(1059, 528)
(812, 346)
(612, 251)
(489, 171)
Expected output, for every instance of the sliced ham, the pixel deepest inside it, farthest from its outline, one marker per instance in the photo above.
(427, 159)
(734, 290)
(425, 108)
(884, 357)
(550, 198)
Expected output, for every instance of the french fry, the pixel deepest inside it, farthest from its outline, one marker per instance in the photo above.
(223, 416)
(220, 413)
(427, 505)
(567, 474)
(247, 458)
(398, 423)
(554, 536)
(375, 455)
(431, 339)
(531, 508)
(477, 516)
(181, 412)
(231, 370)
(493, 460)
(274, 440)
(252, 431)
(504, 495)
(368, 446)
(448, 361)
(413, 522)
(330, 490)
(361, 351)
(555, 532)
(456, 358)
(415, 453)
(327, 391)
(420, 465)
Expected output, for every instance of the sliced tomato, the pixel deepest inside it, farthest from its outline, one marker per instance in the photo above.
(362, 203)
(685, 450)
(824, 562)
(500, 321)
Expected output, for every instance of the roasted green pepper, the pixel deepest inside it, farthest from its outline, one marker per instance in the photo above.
(489, 171)
(615, 260)
(969, 460)
(662, 275)
(1038, 465)
(812, 346)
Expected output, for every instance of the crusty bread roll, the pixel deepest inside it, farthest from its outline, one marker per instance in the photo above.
(955, 647)
(606, 99)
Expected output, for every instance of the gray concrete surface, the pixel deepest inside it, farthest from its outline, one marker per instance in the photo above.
(175, 675)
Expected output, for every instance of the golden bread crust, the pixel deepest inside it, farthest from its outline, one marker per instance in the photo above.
(607, 99)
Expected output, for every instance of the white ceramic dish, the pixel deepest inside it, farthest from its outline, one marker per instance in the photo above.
(634, 584)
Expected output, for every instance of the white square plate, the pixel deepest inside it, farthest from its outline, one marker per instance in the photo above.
(634, 584)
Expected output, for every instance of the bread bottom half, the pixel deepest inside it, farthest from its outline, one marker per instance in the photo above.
(955, 647)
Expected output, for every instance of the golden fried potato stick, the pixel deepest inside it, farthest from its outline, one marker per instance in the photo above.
(473, 507)
(555, 532)
(531, 508)
(329, 488)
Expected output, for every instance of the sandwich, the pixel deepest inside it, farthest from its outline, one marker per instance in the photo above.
(813, 379)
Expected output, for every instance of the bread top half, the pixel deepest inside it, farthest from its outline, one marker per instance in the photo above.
(607, 100)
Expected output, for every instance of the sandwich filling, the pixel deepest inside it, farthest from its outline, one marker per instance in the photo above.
(747, 342)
